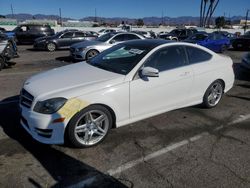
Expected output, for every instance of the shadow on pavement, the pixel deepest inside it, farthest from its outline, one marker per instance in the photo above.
(67, 59)
(64, 169)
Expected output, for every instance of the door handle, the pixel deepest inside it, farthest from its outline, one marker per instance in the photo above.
(185, 74)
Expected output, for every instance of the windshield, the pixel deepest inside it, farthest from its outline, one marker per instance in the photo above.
(119, 59)
(105, 37)
(198, 37)
(101, 30)
(175, 32)
(58, 34)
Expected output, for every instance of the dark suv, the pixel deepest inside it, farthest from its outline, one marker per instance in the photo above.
(63, 39)
(178, 34)
(27, 33)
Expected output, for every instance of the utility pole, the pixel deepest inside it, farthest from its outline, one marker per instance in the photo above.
(162, 17)
(60, 16)
(12, 12)
(95, 20)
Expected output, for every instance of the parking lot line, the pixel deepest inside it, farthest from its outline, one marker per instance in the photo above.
(171, 147)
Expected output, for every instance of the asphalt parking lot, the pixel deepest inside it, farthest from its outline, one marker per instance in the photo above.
(190, 147)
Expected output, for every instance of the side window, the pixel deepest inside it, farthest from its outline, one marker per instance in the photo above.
(79, 34)
(130, 37)
(118, 38)
(196, 55)
(167, 58)
(23, 29)
(67, 35)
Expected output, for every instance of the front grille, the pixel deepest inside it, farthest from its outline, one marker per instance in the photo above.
(26, 98)
(47, 133)
(72, 50)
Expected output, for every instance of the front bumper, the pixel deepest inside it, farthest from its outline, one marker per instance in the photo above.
(41, 128)
(77, 55)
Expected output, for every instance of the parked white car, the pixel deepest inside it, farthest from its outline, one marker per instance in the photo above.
(126, 83)
(105, 31)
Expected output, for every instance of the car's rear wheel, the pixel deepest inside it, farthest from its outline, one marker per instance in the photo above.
(91, 53)
(213, 94)
(51, 46)
(90, 126)
(223, 48)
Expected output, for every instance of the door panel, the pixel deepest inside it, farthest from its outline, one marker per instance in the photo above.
(168, 91)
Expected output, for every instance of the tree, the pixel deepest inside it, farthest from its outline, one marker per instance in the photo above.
(139, 22)
(220, 21)
(206, 13)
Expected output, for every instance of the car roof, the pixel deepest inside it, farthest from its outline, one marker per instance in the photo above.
(150, 43)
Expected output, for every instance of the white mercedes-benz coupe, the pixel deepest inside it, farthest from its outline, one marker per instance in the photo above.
(126, 83)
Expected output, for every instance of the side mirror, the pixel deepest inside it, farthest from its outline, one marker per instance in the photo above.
(149, 72)
(112, 41)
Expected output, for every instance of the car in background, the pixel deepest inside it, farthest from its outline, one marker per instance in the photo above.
(27, 33)
(146, 34)
(128, 82)
(2, 29)
(242, 42)
(63, 39)
(178, 34)
(8, 50)
(105, 31)
(213, 41)
(93, 33)
(246, 61)
(88, 49)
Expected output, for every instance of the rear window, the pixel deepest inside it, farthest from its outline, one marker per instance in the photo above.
(196, 55)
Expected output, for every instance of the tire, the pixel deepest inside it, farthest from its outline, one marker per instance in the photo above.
(213, 94)
(91, 53)
(89, 127)
(51, 46)
(2, 63)
(223, 48)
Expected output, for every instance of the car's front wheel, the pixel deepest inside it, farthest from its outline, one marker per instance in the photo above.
(51, 46)
(213, 94)
(90, 126)
(91, 53)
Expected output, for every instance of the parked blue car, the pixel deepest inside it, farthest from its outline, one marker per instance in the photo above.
(214, 41)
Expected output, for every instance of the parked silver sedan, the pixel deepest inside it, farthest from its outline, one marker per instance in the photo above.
(88, 49)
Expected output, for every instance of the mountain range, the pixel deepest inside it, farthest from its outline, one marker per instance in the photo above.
(187, 20)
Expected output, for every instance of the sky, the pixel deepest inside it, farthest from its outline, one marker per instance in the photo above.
(121, 8)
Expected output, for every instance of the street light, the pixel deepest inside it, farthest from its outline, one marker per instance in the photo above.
(246, 22)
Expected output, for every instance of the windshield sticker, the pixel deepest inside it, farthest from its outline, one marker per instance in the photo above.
(136, 51)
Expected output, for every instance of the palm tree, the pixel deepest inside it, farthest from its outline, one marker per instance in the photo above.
(201, 6)
(212, 10)
(204, 10)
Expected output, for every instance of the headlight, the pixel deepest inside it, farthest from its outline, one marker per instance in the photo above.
(80, 49)
(49, 106)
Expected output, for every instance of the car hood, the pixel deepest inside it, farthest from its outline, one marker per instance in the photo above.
(191, 41)
(87, 43)
(45, 38)
(71, 81)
